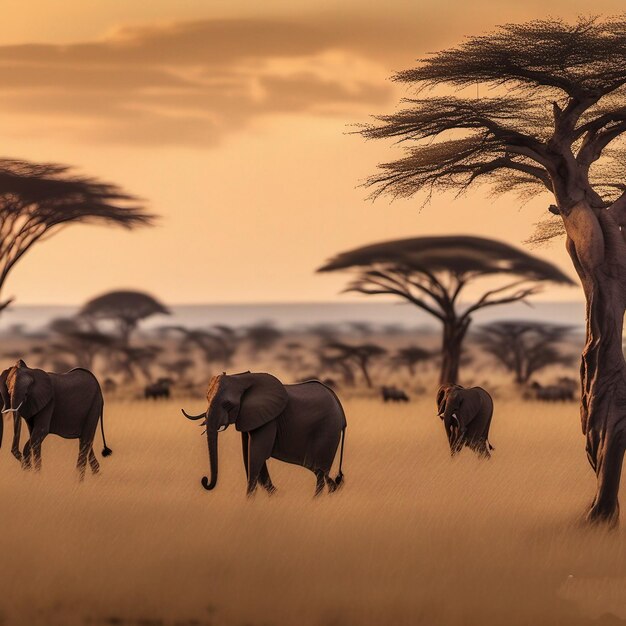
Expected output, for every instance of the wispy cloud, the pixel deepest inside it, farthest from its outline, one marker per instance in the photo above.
(194, 82)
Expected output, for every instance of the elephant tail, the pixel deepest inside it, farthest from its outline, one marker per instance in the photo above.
(339, 478)
(106, 451)
(489, 444)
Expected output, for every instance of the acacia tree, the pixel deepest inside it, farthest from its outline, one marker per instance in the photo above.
(432, 273)
(361, 356)
(525, 347)
(38, 199)
(410, 357)
(551, 118)
(125, 309)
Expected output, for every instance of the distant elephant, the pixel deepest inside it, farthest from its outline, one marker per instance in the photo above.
(69, 405)
(393, 394)
(159, 389)
(300, 424)
(560, 392)
(466, 414)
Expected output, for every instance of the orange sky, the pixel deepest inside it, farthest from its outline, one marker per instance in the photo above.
(230, 119)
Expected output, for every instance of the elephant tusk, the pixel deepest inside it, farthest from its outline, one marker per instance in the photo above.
(222, 428)
(192, 417)
(13, 410)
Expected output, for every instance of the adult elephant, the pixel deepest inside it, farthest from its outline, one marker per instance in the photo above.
(300, 424)
(69, 405)
(466, 414)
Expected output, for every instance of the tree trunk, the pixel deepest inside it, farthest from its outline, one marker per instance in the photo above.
(454, 331)
(598, 251)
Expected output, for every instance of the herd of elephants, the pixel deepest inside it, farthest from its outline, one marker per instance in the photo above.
(301, 423)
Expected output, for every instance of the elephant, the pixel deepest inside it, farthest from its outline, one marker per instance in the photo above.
(466, 414)
(393, 394)
(559, 392)
(69, 405)
(159, 389)
(300, 423)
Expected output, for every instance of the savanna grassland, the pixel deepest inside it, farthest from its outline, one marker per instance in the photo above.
(414, 537)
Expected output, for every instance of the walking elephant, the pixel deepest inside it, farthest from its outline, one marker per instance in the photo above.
(69, 405)
(466, 415)
(300, 424)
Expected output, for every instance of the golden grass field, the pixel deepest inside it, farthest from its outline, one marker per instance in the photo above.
(414, 537)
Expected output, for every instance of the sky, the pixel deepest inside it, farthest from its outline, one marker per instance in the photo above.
(232, 120)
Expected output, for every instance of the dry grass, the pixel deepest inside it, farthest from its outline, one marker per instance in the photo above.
(414, 537)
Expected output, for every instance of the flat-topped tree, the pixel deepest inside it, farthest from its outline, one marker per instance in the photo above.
(525, 347)
(125, 309)
(432, 272)
(38, 199)
(550, 117)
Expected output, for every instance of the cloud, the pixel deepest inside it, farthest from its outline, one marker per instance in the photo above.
(195, 82)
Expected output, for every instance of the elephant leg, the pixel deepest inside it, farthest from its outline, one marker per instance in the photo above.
(81, 463)
(93, 462)
(260, 445)
(244, 448)
(266, 481)
(605, 507)
(36, 440)
(26, 456)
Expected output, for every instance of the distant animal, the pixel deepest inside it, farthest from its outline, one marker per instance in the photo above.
(109, 385)
(301, 424)
(159, 389)
(393, 394)
(69, 405)
(466, 415)
(552, 393)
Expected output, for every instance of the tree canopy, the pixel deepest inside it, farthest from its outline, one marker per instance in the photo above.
(37, 199)
(431, 272)
(531, 107)
(126, 308)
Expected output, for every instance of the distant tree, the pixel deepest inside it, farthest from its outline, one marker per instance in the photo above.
(410, 357)
(132, 359)
(432, 272)
(262, 336)
(217, 345)
(179, 367)
(538, 108)
(363, 329)
(38, 199)
(82, 343)
(125, 309)
(360, 355)
(525, 347)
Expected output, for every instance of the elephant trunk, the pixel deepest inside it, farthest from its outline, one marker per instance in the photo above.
(211, 434)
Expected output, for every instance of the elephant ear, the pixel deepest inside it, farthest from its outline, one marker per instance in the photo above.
(4, 391)
(469, 407)
(263, 401)
(441, 396)
(41, 391)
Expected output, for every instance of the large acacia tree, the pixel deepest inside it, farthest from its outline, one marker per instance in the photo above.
(38, 199)
(432, 273)
(538, 107)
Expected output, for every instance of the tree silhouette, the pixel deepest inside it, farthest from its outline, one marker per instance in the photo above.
(81, 342)
(38, 199)
(549, 119)
(432, 272)
(360, 355)
(410, 356)
(262, 336)
(525, 347)
(218, 345)
(125, 308)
